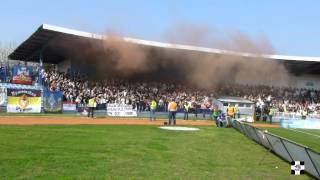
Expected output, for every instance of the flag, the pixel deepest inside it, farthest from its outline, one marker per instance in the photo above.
(40, 70)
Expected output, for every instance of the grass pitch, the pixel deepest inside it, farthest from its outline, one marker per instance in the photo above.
(133, 152)
(306, 137)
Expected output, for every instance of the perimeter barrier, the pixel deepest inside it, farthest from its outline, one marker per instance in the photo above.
(293, 116)
(284, 148)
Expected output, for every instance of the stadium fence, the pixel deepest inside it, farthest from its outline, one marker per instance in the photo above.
(146, 114)
(293, 116)
(284, 148)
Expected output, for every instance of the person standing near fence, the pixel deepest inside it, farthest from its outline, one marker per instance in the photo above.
(153, 107)
(230, 113)
(272, 110)
(186, 108)
(304, 113)
(172, 108)
(91, 104)
(236, 111)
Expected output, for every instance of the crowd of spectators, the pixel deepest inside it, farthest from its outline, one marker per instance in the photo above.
(79, 89)
(139, 94)
(3, 74)
(288, 100)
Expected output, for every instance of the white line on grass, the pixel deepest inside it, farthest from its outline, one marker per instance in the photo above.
(305, 132)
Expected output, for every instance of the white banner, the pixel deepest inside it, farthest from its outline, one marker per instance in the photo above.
(121, 110)
(17, 109)
(69, 107)
(3, 96)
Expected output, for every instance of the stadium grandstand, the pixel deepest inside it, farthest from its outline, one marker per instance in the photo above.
(62, 65)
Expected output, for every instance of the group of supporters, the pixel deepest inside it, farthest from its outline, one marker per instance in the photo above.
(3, 74)
(156, 96)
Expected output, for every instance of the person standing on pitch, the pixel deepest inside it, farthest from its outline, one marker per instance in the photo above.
(92, 103)
(172, 108)
(186, 108)
(272, 110)
(236, 111)
(153, 107)
(230, 114)
(304, 113)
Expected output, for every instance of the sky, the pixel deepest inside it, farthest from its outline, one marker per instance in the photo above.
(292, 26)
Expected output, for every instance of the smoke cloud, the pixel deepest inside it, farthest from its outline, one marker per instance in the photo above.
(115, 57)
(207, 70)
(128, 58)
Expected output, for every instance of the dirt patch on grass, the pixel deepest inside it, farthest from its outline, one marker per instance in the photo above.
(265, 125)
(20, 120)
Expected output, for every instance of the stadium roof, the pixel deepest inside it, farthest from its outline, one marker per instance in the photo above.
(40, 40)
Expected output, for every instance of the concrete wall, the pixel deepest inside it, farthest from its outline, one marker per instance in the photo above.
(64, 65)
(303, 81)
(306, 81)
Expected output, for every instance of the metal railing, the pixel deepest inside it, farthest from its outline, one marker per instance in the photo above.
(296, 115)
(281, 115)
(284, 148)
(145, 114)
